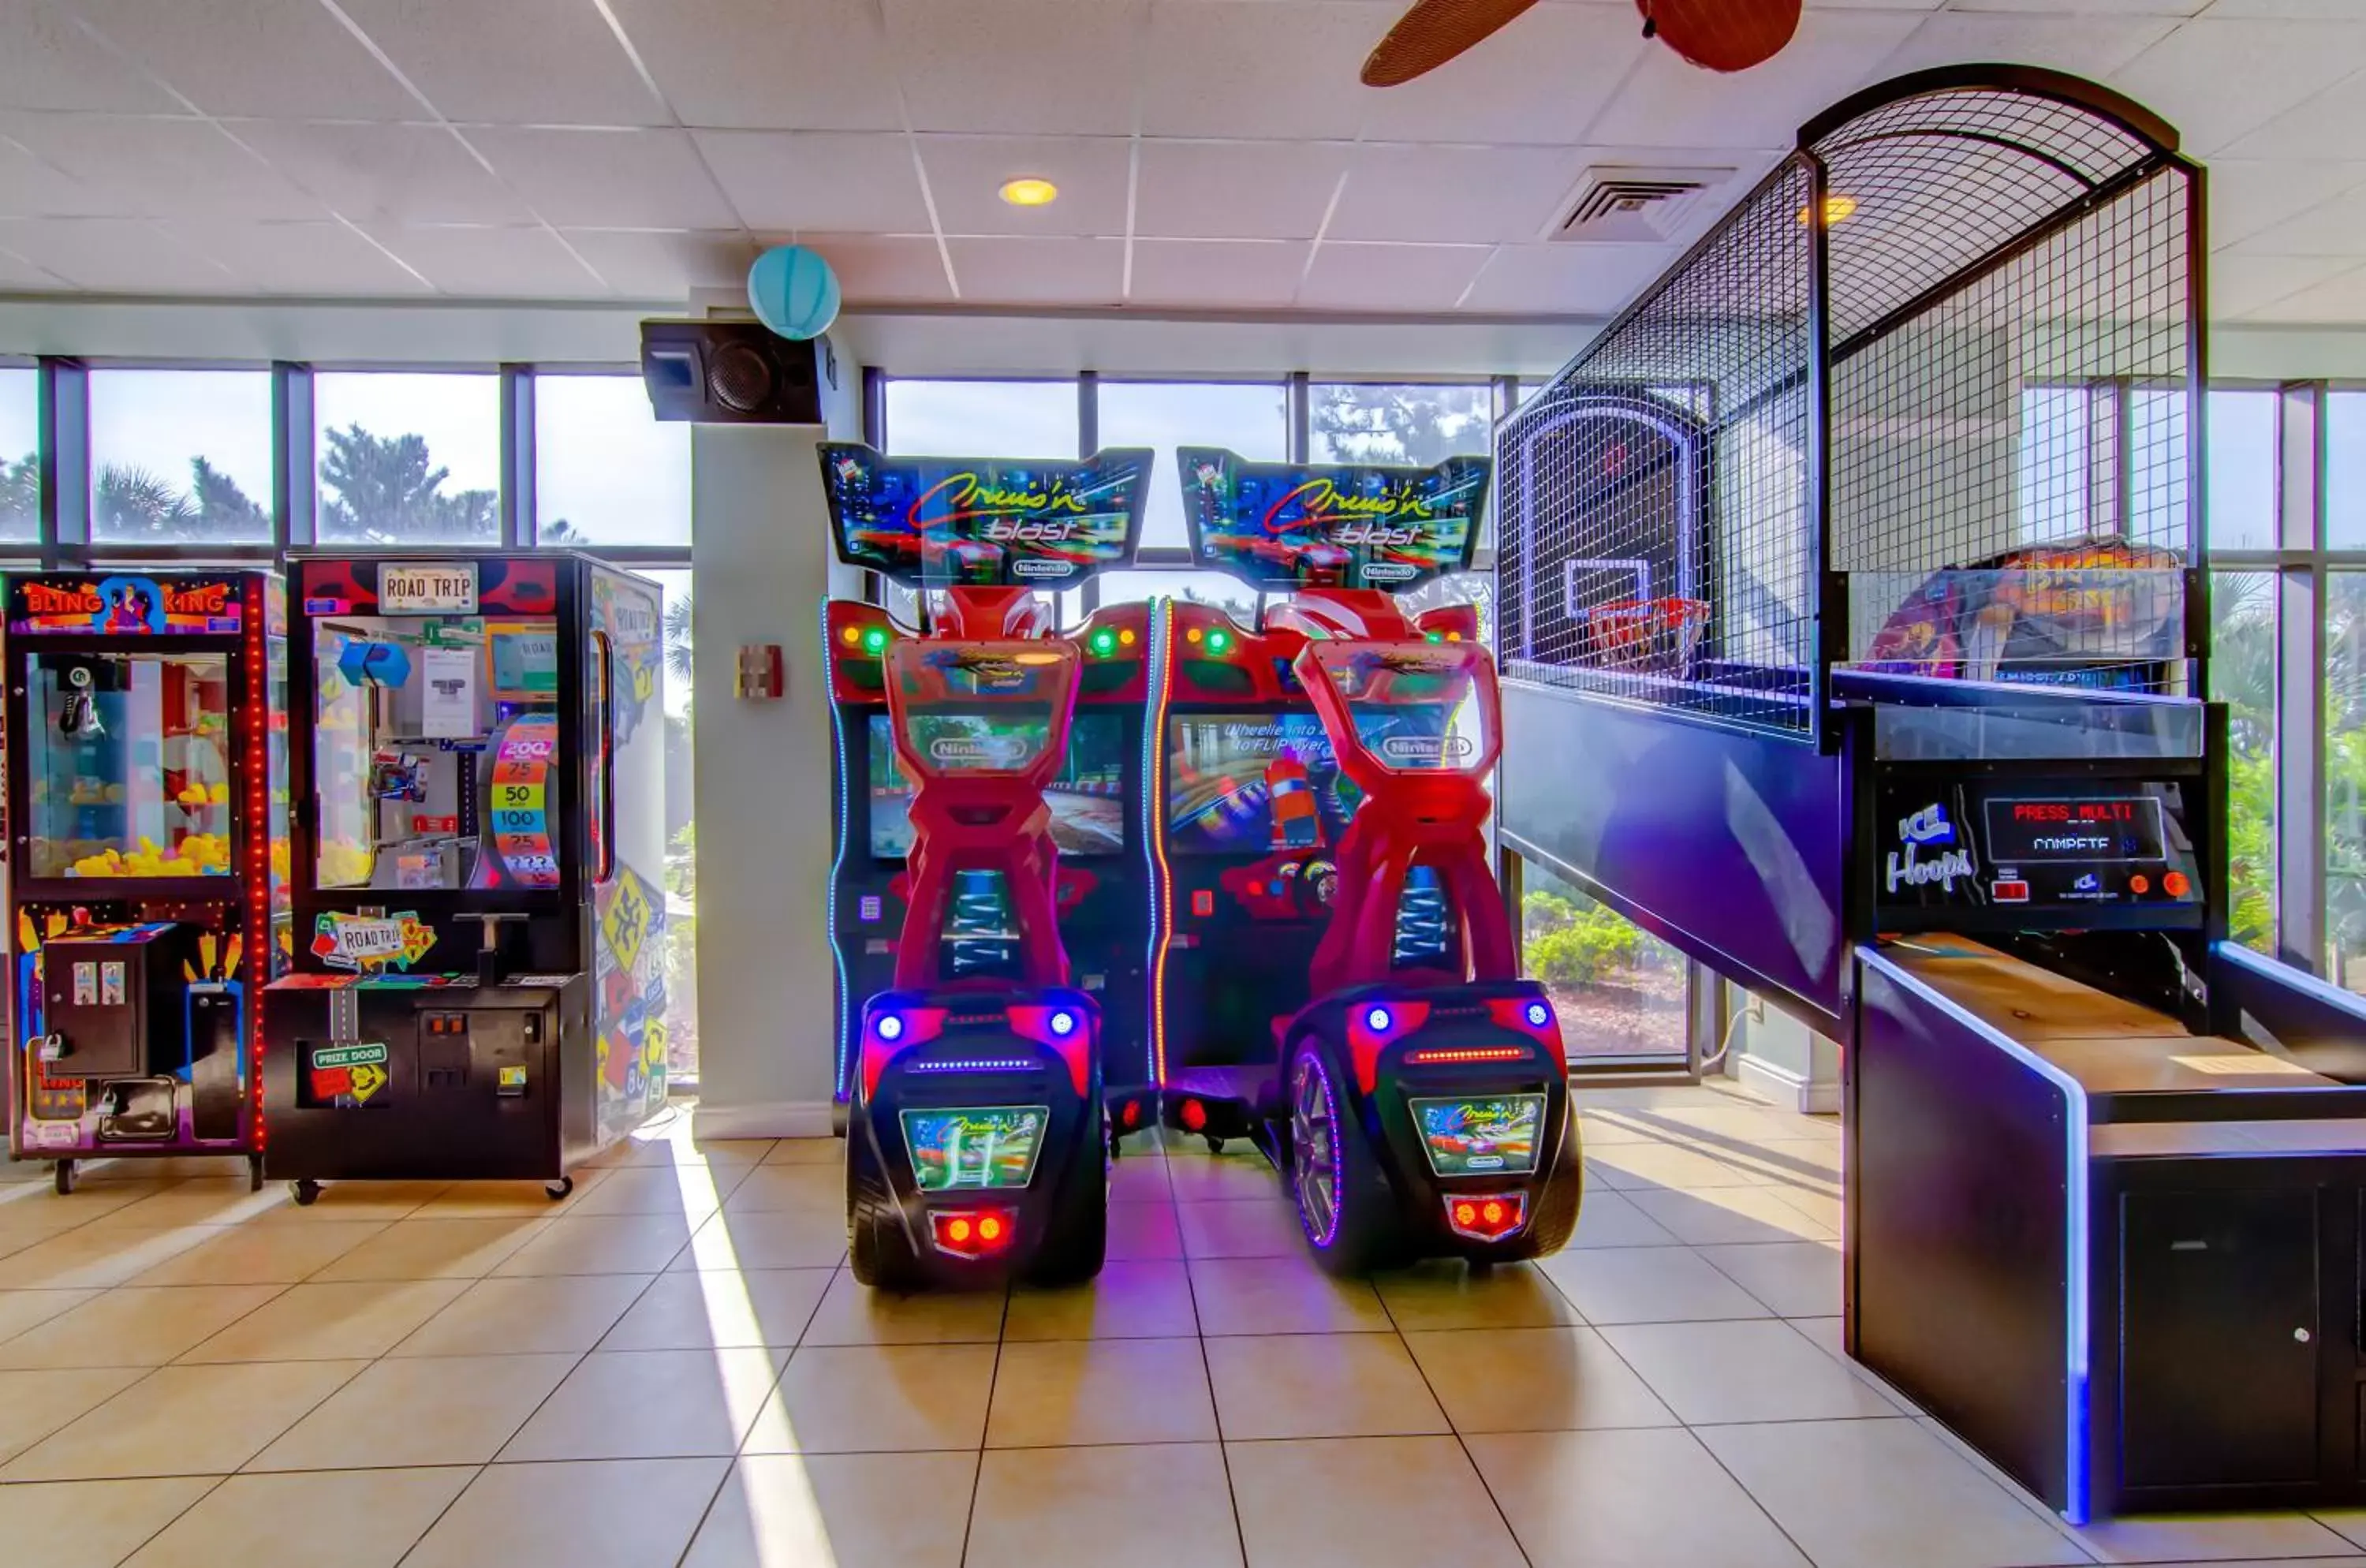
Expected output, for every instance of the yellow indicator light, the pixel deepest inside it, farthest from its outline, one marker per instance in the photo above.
(1194, 635)
(1030, 192)
(1125, 635)
(852, 635)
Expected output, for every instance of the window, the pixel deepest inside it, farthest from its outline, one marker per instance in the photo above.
(981, 419)
(605, 471)
(1249, 418)
(2345, 471)
(1411, 423)
(1200, 587)
(180, 457)
(680, 835)
(2240, 512)
(20, 456)
(1617, 991)
(2344, 778)
(409, 459)
(2243, 676)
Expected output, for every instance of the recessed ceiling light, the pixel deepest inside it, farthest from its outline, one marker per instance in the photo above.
(1030, 192)
(1838, 208)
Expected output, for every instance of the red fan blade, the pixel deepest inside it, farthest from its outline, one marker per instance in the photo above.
(1432, 33)
(1722, 35)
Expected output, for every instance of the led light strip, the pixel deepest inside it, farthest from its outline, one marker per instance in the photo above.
(974, 1065)
(1153, 811)
(842, 1088)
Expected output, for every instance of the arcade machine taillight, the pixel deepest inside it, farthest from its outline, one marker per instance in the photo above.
(478, 746)
(147, 781)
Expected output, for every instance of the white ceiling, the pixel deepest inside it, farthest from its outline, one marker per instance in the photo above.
(1210, 153)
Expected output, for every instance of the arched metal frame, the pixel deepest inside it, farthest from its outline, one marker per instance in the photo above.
(1964, 317)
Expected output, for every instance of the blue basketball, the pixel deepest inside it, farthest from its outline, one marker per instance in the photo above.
(793, 291)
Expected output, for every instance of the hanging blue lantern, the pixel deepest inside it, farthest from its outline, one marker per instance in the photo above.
(793, 291)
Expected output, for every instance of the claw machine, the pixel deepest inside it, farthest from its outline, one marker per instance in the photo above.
(147, 791)
(478, 982)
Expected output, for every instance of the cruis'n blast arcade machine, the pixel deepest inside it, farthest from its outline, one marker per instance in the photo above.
(1337, 975)
(977, 1131)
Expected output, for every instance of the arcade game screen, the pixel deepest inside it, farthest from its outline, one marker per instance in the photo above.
(1481, 1138)
(982, 1148)
(435, 743)
(1253, 783)
(1088, 799)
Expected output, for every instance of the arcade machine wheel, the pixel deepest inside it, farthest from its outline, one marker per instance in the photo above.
(558, 1189)
(255, 1173)
(65, 1177)
(1077, 1241)
(1344, 1204)
(876, 1248)
(305, 1190)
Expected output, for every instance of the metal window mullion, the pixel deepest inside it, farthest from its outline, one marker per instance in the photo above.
(63, 389)
(519, 524)
(1300, 403)
(295, 490)
(2300, 788)
(1088, 412)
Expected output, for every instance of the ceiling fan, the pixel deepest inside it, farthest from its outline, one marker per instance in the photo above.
(1722, 35)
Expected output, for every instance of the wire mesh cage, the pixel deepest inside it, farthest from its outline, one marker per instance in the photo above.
(1924, 404)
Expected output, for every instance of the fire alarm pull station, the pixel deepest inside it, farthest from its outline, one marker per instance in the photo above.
(759, 670)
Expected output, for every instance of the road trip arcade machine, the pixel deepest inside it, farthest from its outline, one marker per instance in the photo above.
(976, 1123)
(149, 790)
(477, 745)
(931, 524)
(1336, 978)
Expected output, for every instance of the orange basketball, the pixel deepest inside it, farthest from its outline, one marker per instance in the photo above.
(1722, 35)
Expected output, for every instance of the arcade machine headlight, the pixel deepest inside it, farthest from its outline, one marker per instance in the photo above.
(1380, 1021)
(1538, 1014)
(891, 1027)
(1486, 1216)
(1063, 1022)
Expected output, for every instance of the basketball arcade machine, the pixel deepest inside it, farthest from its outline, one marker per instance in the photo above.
(478, 853)
(1916, 753)
(1335, 975)
(935, 524)
(976, 1123)
(149, 790)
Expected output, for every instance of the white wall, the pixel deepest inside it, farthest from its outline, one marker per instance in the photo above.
(761, 565)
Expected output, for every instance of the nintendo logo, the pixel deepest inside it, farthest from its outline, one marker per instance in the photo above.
(949, 748)
(1427, 748)
(1389, 572)
(1035, 566)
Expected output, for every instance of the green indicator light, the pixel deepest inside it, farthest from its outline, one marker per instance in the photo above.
(874, 640)
(1218, 639)
(1435, 637)
(1105, 642)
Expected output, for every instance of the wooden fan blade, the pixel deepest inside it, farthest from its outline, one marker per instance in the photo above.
(1722, 35)
(1432, 33)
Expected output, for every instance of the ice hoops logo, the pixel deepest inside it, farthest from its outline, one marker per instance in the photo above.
(1920, 832)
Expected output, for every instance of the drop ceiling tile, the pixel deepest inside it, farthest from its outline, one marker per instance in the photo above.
(48, 62)
(2336, 227)
(2330, 124)
(514, 62)
(966, 174)
(2240, 285)
(114, 255)
(2249, 198)
(161, 168)
(2089, 45)
(487, 262)
(282, 59)
(1217, 273)
(1236, 190)
(2170, 8)
(1059, 67)
(607, 179)
(1670, 103)
(1457, 194)
(399, 174)
(873, 269)
(2217, 81)
(2338, 301)
(841, 182)
(16, 273)
(2287, 10)
(1541, 80)
(1037, 271)
(1252, 68)
(32, 188)
(643, 264)
(1417, 279)
(1566, 280)
(320, 258)
(767, 64)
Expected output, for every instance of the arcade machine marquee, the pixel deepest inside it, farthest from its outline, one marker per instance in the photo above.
(480, 985)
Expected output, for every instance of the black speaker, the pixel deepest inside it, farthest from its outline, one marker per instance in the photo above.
(734, 373)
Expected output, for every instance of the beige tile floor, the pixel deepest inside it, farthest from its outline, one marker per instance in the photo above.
(674, 1368)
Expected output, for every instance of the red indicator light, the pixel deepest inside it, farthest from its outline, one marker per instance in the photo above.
(2009, 892)
(2175, 884)
(957, 1230)
(1487, 1216)
(972, 1232)
(1469, 1053)
(1492, 1213)
(2139, 883)
(1195, 1116)
(1203, 901)
(1132, 1114)
(989, 1229)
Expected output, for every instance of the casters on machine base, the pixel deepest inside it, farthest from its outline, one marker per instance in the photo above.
(65, 1177)
(305, 1190)
(555, 1191)
(255, 1173)
(1215, 1143)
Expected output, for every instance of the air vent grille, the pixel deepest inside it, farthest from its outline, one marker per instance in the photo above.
(1620, 205)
